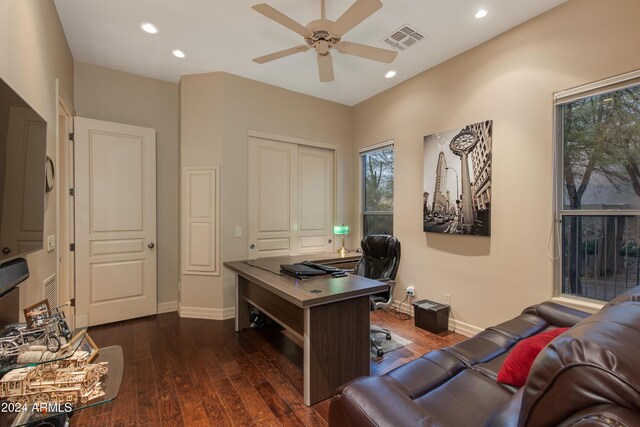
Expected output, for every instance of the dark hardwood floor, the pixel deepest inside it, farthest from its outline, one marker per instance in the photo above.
(188, 372)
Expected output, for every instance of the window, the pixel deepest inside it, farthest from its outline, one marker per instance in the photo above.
(598, 134)
(377, 190)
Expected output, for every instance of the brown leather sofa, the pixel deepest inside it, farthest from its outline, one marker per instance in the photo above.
(588, 376)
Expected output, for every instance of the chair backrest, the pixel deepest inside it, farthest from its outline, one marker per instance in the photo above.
(380, 258)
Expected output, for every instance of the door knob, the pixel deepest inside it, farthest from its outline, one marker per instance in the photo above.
(6, 250)
(252, 246)
(151, 246)
(330, 240)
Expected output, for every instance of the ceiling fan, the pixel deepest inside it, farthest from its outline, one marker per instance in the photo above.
(324, 35)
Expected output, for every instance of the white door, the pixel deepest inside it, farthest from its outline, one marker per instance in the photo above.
(273, 205)
(315, 199)
(291, 198)
(115, 220)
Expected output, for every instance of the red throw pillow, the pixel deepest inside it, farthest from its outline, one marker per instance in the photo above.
(516, 366)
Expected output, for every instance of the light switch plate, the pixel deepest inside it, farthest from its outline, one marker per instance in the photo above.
(51, 243)
(238, 231)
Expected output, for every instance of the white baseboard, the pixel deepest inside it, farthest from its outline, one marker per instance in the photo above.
(207, 313)
(465, 328)
(462, 328)
(406, 308)
(167, 307)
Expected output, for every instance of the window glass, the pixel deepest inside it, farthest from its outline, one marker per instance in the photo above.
(600, 179)
(601, 151)
(377, 182)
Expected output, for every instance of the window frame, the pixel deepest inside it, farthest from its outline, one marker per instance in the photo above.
(361, 153)
(560, 99)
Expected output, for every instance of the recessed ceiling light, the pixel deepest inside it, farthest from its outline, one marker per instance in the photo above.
(178, 53)
(481, 13)
(149, 28)
(390, 74)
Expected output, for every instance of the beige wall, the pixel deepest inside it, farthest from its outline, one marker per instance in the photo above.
(510, 80)
(201, 145)
(217, 110)
(33, 54)
(106, 94)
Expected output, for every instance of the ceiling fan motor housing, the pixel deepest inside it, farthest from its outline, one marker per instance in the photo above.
(321, 32)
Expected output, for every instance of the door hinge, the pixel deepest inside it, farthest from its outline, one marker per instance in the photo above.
(72, 191)
(72, 136)
(72, 247)
(72, 302)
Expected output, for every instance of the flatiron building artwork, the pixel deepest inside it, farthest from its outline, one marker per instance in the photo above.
(457, 180)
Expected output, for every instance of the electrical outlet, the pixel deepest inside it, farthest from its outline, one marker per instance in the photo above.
(411, 291)
(447, 299)
(238, 232)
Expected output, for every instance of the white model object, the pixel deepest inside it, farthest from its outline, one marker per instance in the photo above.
(70, 380)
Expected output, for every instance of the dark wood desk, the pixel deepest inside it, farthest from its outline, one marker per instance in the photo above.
(330, 315)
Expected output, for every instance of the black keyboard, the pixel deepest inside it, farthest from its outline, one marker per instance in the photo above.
(325, 268)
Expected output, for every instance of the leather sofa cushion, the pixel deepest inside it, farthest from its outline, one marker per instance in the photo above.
(522, 326)
(372, 401)
(425, 373)
(467, 400)
(482, 347)
(508, 413)
(492, 367)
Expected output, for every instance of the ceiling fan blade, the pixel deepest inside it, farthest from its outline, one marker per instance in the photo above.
(325, 67)
(281, 18)
(358, 12)
(374, 53)
(282, 54)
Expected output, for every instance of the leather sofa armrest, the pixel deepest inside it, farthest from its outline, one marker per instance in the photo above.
(372, 401)
(556, 314)
(603, 416)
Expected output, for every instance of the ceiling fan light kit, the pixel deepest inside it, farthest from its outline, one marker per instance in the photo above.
(324, 35)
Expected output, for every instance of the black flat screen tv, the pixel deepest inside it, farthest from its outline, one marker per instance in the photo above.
(23, 150)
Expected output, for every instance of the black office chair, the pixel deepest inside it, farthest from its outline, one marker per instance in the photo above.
(380, 261)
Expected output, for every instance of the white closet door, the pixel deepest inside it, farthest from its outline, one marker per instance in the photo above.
(273, 203)
(315, 199)
(291, 198)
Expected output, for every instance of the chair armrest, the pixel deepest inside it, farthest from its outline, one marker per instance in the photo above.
(386, 304)
(372, 401)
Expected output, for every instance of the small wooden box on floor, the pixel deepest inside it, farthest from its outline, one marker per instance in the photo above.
(431, 316)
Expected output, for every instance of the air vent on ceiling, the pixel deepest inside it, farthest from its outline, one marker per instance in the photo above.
(404, 37)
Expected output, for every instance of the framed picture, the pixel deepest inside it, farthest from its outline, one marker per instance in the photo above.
(457, 181)
(37, 312)
(89, 346)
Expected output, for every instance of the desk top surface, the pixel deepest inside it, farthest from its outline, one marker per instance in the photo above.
(265, 272)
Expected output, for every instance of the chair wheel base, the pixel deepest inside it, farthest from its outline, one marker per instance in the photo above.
(380, 353)
(388, 337)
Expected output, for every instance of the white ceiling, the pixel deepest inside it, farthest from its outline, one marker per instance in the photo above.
(225, 35)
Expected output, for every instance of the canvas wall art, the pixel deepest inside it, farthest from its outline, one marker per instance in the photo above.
(457, 181)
